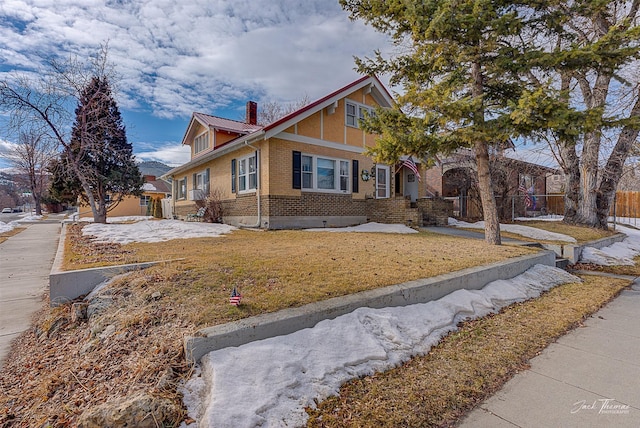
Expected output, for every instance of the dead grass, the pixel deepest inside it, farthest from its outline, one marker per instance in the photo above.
(6, 235)
(435, 390)
(580, 233)
(59, 368)
(281, 269)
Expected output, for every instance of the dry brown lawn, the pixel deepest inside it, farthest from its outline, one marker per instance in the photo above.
(6, 235)
(60, 367)
(466, 367)
(280, 269)
(580, 233)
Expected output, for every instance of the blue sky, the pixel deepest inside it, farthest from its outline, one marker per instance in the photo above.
(176, 57)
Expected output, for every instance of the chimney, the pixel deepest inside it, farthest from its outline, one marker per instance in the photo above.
(252, 113)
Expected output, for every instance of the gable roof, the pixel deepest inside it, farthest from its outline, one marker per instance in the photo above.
(220, 124)
(251, 133)
(377, 90)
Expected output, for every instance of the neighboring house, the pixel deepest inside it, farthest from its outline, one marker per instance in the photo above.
(152, 188)
(307, 169)
(521, 188)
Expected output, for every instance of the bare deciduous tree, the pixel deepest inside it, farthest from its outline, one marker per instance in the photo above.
(31, 157)
(271, 111)
(44, 104)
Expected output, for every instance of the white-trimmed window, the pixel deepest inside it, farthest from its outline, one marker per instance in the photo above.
(247, 173)
(202, 182)
(145, 200)
(382, 181)
(355, 112)
(201, 142)
(182, 189)
(325, 174)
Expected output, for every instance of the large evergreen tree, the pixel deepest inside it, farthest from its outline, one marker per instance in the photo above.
(458, 71)
(98, 162)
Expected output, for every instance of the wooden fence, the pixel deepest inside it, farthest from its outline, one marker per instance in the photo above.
(627, 204)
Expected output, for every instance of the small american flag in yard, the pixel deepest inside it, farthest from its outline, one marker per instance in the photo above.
(235, 297)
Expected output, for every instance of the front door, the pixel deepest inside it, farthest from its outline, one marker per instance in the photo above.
(410, 184)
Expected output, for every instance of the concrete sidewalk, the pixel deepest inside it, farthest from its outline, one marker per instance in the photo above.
(25, 264)
(588, 378)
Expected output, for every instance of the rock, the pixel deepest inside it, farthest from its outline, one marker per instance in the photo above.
(141, 410)
(166, 380)
(79, 312)
(56, 325)
(98, 305)
(156, 296)
(108, 331)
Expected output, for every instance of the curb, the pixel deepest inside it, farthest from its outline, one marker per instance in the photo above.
(572, 252)
(408, 293)
(65, 286)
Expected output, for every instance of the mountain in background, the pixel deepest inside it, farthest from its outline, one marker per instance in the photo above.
(154, 168)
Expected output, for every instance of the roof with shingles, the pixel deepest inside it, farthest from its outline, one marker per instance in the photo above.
(226, 124)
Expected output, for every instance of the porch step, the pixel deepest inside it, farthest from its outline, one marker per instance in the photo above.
(434, 220)
(532, 244)
(562, 263)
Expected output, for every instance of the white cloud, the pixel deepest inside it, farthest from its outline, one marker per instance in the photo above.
(199, 55)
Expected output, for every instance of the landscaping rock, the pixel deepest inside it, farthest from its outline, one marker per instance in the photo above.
(79, 312)
(108, 331)
(98, 305)
(141, 411)
(56, 325)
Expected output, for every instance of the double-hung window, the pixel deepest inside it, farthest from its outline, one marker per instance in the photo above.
(356, 112)
(182, 189)
(200, 143)
(145, 200)
(247, 173)
(324, 174)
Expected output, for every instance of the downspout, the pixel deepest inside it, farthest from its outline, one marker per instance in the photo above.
(258, 184)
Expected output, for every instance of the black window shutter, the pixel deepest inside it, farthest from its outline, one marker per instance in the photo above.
(233, 176)
(297, 170)
(207, 180)
(354, 179)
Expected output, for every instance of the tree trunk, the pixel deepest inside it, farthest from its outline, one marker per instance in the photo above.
(586, 213)
(613, 170)
(489, 208)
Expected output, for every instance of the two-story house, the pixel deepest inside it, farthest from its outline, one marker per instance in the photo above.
(307, 169)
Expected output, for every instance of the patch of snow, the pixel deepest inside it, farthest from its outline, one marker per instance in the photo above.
(121, 219)
(153, 231)
(548, 217)
(6, 227)
(270, 382)
(619, 253)
(368, 227)
(530, 232)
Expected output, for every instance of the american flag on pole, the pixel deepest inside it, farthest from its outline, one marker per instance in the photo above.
(409, 163)
(235, 297)
(527, 197)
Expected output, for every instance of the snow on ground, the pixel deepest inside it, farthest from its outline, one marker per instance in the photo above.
(153, 231)
(120, 219)
(619, 253)
(270, 382)
(7, 227)
(368, 227)
(530, 232)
